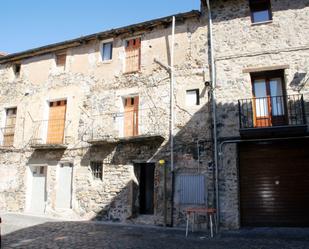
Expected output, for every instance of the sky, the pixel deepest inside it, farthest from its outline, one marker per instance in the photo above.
(27, 24)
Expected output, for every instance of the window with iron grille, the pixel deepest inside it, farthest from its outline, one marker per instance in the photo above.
(97, 170)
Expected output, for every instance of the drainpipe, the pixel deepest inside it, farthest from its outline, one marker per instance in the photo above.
(172, 118)
(214, 110)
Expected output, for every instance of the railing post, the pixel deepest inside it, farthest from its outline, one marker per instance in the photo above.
(239, 114)
(303, 110)
(0, 231)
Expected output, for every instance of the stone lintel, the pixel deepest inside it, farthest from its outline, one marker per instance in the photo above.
(266, 68)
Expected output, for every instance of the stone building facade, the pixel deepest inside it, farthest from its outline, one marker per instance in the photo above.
(245, 51)
(100, 167)
(97, 167)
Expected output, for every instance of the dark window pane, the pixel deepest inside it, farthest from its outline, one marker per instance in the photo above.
(261, 16)
(107, 51)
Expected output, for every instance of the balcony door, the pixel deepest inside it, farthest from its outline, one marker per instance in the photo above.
(9, 130)
(131, 116)
(56, 122)
(269, 102)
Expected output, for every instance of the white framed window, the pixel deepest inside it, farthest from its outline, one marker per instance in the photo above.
(106, 50)
(192, 97)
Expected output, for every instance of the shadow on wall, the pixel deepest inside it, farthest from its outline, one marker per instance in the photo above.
(51, 157)
(123, 203)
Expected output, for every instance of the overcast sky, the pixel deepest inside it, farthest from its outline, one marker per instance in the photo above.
(27, 24)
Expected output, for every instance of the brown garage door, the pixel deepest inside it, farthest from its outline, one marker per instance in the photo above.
(274, 183)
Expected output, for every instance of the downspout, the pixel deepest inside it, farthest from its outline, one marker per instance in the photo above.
(214, 110)
(172, 119)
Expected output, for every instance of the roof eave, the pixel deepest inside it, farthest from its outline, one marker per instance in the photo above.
(101, 35)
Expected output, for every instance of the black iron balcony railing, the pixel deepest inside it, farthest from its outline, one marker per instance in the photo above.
(128, 124)
(50, 132)
(272, 111)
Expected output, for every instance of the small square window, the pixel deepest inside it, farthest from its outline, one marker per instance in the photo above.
(260, 11)
(107, 51)
(16, 69)
(192, 97)
(61, 60)
(97, 170)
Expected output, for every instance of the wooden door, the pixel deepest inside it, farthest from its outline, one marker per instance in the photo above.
(133, 52)
(9, 130)
(274, 183)
(269, 102)
(56, 122)
(131, 116)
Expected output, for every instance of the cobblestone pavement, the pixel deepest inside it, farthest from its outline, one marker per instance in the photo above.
(66, 234)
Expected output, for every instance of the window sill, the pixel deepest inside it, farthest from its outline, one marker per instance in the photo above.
(261, 23)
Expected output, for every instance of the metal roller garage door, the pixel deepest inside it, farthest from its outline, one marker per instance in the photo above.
(274, 183)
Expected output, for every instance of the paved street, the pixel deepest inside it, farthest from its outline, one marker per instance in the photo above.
(21, 231)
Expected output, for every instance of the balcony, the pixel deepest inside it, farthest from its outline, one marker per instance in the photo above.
(130, 126)
(273, 115)
(50, 134)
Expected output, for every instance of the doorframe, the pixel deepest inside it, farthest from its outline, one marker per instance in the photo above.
(267, 75)
(29, 186)
(154, 185)
(122, 110)
(44, 132)
(57, 180)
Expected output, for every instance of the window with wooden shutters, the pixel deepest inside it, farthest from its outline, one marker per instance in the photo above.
(131, 116)
(133, 55)
(56, 122)
(61, 59)
(9, 129)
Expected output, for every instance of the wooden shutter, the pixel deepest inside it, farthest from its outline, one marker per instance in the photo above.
(56, 122)
(133, 55)
(61, 59)
(9, 130)
(131, 116)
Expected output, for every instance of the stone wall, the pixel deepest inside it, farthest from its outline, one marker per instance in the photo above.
(12, 181)
(93, 88)
(240, 45)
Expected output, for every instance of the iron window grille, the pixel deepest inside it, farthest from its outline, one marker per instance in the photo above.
(97, 170)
